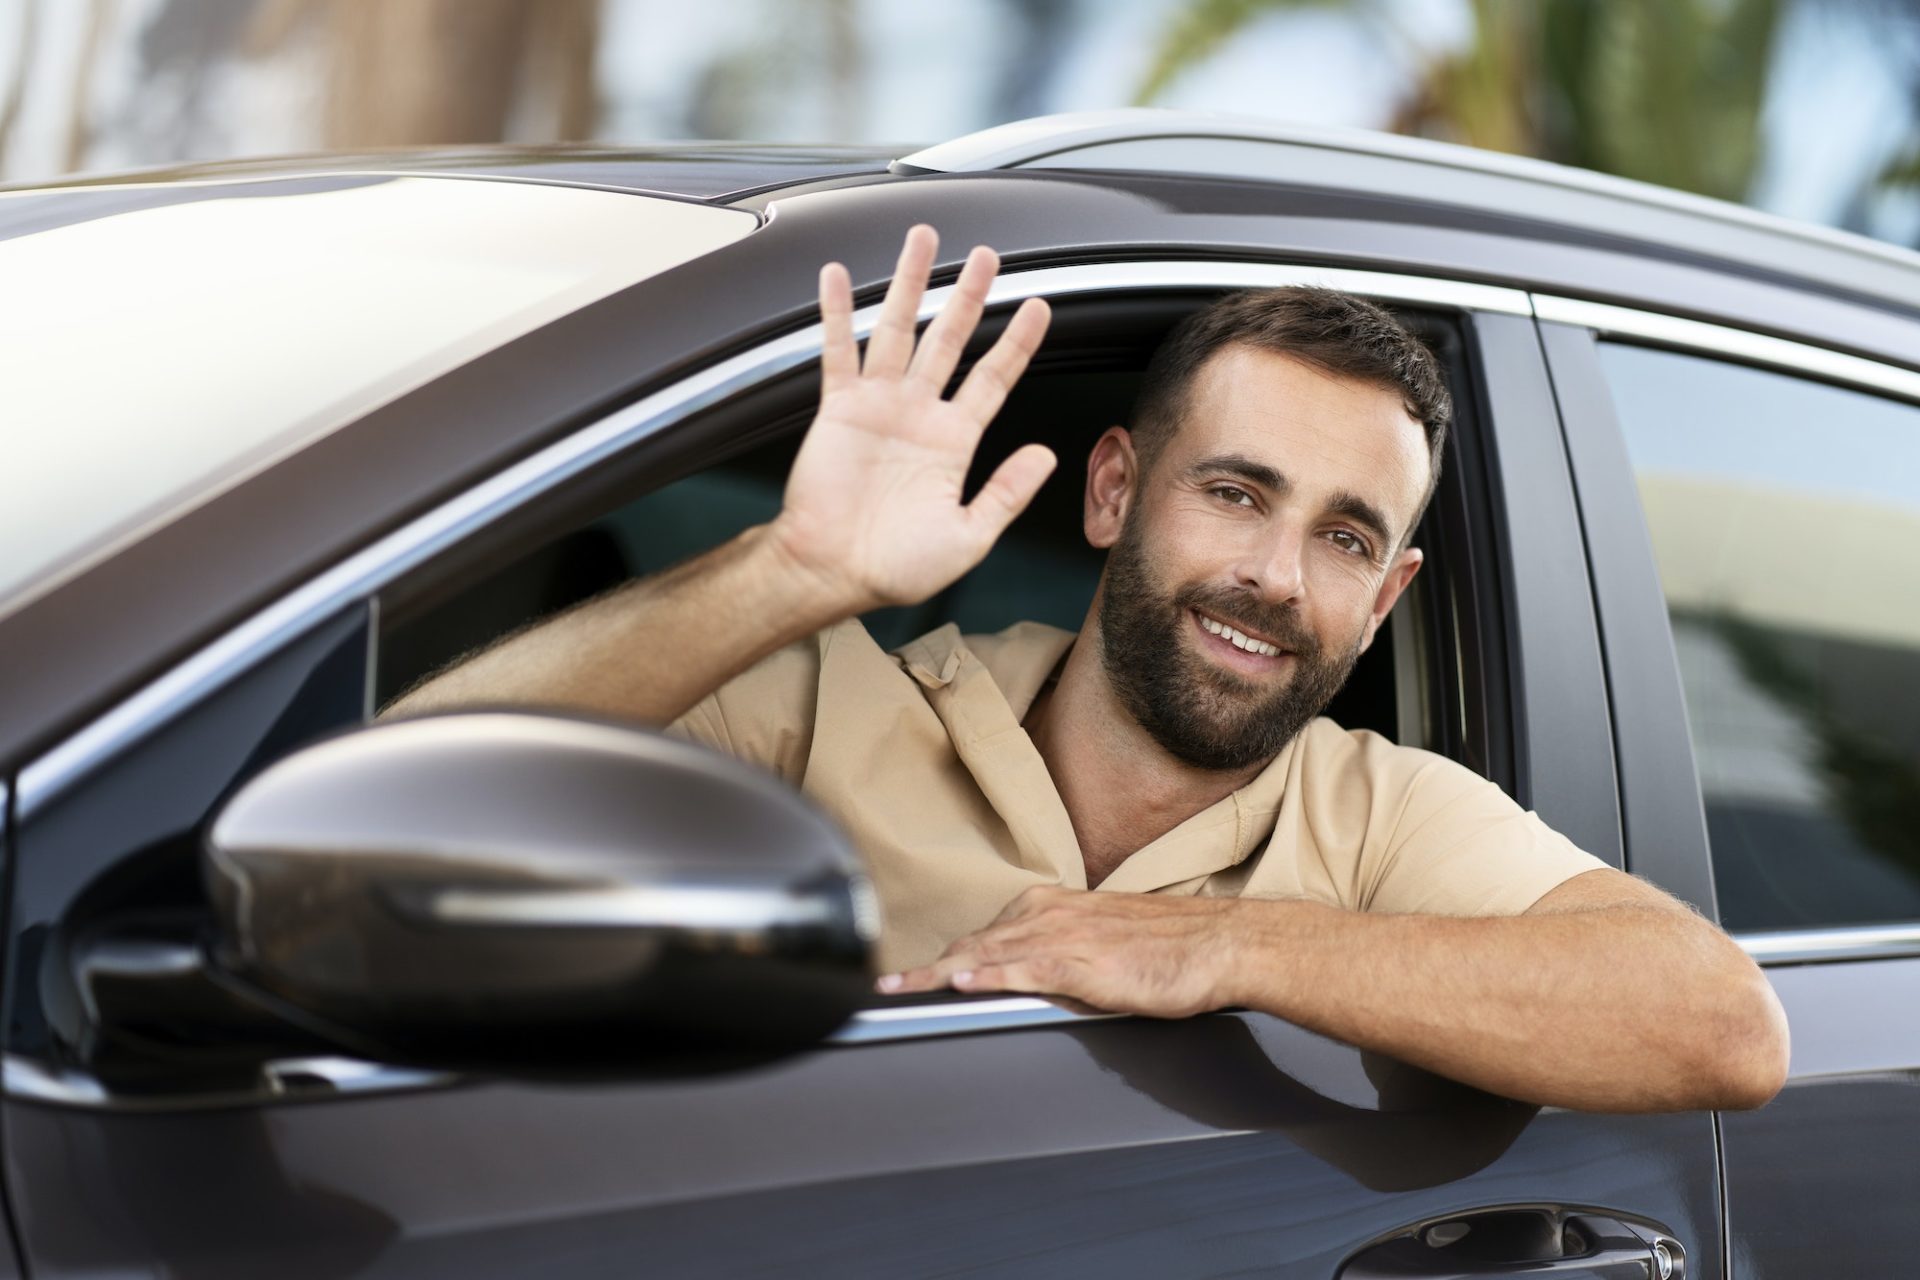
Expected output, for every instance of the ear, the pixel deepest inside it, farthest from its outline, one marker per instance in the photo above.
(1399, 574)
(1112, 469)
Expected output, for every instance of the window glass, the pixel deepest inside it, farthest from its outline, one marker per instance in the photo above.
(1785, 518)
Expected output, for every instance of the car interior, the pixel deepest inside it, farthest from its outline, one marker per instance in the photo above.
(1405, 687)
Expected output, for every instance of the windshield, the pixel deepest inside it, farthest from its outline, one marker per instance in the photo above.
(158, 344)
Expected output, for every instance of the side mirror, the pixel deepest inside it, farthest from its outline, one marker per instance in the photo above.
(536, 894)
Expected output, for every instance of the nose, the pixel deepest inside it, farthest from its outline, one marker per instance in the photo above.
(1273, 564)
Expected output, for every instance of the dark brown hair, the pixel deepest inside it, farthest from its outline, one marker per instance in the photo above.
(1333, 331)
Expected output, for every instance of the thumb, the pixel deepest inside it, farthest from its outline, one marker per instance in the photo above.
(1011, 487)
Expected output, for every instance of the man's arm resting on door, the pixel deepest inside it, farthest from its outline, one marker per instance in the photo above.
(1606, 995)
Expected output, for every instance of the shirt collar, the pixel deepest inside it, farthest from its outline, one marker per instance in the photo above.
(1020, 659)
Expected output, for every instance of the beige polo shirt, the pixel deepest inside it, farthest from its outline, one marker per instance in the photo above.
(919, 754)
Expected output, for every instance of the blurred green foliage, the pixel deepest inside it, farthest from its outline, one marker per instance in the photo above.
(1665, 91)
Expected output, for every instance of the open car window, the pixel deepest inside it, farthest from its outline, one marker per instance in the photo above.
(1406, 687)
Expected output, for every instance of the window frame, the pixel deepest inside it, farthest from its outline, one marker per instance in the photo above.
(476, 522)
(1664, 808)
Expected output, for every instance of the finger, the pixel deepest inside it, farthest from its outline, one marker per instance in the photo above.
(839, 357)
(892, 340)
(993, 376)
(1004, 496)
(946, 337)
(925, 978)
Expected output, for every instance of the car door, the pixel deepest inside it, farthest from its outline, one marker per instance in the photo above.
(1001, 1136)
(1753, 510)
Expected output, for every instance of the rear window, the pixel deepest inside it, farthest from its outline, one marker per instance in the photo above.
(1785, 517)
(158, 344)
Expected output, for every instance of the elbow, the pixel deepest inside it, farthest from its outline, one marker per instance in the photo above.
(1750, 1061)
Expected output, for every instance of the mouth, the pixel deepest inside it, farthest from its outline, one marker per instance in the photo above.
(1242, 649)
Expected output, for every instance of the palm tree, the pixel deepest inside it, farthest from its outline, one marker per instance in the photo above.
(1667, 91)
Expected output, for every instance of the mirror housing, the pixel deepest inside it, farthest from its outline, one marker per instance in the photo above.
(537, 895)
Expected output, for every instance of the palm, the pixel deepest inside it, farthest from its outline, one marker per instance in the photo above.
(874, 497)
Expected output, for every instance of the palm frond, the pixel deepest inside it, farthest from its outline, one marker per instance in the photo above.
(1902, 170)
(1199, 28)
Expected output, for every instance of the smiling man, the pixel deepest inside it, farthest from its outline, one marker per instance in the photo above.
(1148, 816)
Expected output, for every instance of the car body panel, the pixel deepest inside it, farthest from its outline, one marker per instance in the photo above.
(1562, 729)
(1231, 1145)
(1823, 1179)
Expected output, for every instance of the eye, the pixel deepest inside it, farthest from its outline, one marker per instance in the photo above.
(1349, 541)
(1232, 494)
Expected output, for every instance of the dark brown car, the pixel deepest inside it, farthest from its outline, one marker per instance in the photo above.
(292, 995)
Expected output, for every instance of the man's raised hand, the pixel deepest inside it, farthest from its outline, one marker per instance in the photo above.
(873, 501)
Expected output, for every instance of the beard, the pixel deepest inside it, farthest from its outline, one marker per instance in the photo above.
(1200, 713)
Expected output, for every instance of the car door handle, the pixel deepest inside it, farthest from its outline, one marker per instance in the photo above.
(1563, 1244)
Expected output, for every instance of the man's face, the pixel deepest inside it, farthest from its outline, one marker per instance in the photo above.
(1277, 511)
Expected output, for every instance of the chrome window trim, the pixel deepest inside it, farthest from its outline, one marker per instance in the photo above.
(367, 571)
(927, 1021)
(1859, 942)
(1753, 348)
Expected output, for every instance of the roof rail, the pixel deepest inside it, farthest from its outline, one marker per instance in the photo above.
(1228, 145)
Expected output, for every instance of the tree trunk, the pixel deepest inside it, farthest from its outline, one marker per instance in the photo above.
(10, 106)
(100, 15)
(409, 72)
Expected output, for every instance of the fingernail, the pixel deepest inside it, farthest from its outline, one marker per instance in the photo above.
(964, 978)
(889, 982)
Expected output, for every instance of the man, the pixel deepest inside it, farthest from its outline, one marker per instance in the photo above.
(1147, 818)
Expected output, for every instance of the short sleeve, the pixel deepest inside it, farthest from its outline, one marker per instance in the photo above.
(764, 715)
(1462, 847)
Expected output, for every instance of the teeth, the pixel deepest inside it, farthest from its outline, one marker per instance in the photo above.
(1238, 639)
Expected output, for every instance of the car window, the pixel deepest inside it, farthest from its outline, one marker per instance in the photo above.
(1785, 520)
(1041, 570)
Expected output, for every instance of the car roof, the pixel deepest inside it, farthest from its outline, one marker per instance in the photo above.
(1248, 148)
(1200, 144)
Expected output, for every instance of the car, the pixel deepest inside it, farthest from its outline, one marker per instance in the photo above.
(290, 991)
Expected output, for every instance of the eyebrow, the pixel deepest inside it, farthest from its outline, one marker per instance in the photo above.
(1344, 503)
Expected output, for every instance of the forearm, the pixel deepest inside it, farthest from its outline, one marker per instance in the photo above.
(652, 649)
(1580, 1009)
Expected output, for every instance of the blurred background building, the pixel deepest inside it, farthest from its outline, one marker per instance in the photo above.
(1806, 107)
